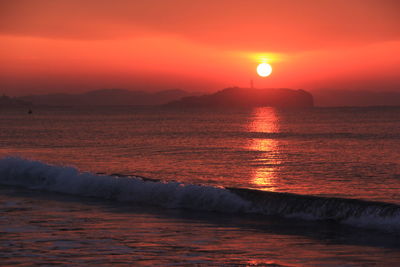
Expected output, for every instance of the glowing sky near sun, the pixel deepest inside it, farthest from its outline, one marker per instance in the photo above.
(71, 45)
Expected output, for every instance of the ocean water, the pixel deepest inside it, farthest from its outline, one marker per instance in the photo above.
(158, 186)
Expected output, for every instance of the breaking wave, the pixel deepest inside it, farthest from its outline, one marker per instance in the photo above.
(135, 189)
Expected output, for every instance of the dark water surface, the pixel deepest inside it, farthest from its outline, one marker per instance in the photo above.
(39, 228)
(346, 152)
(326, 152)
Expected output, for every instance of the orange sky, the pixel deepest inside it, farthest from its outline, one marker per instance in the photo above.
(74, 46)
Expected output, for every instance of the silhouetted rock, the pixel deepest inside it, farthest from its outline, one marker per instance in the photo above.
(107, 97)
(245, 97)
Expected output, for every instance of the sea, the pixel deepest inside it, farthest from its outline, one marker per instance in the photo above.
(158, 186)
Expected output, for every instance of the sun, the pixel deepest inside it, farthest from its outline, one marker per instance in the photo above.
(264, 69)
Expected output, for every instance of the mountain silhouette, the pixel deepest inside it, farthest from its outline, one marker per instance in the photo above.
(106, 97)
(6, 101)
(248, 97)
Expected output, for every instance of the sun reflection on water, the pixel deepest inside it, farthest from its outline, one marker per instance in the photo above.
(264, 174)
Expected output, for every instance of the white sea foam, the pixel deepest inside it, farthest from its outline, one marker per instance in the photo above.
(365, 214)
(40, 176)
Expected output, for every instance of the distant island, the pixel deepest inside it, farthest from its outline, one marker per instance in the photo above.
(229, 97)
(10, 102)
(249, 97)
(106, 97)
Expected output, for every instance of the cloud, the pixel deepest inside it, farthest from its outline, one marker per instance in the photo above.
(200, 45)
(278, 26)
